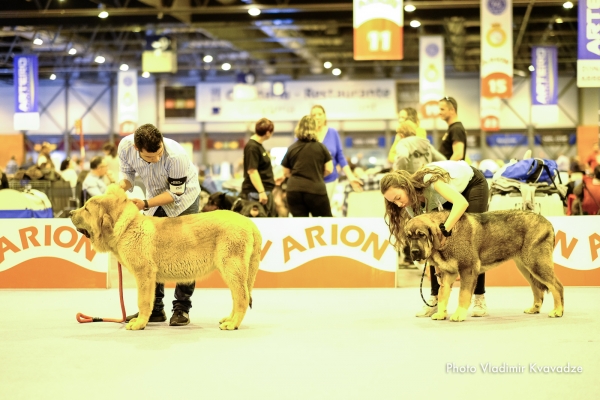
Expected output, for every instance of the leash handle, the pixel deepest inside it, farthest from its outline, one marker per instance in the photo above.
(84, 319)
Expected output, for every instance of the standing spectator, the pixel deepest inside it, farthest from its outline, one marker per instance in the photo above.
(331, 139)
(410, 114)
(44, 160)
(412, 152)
(258, 172)
(305, 164)
(110, 156)
(11, 166)
(94, 184)
(172, 187)
(454, 141)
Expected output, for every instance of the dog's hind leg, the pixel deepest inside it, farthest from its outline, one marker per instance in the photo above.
(542, 277)
(238, 284)
(254, 263)
(538, 292)
(145, 286)
(467, 286)
(446, 282)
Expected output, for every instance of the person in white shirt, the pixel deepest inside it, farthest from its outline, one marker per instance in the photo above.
(172, 188)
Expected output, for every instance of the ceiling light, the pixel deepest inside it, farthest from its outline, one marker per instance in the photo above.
(124, 67)
(254, 11)
(103, 14)
(327, 65)
(336, 71)
(52, 77)
(531, 68)
(558, 20)
(145, 74)
(100, 59)
(38, 41)
(72, 51)
(415, 24)
(226, 67)
(409, 8)
(568, 5)
(207, 58)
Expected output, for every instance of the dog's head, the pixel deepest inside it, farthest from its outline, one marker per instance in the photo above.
(219, 201)
(423, 236)
(96, 219)
(249, 208)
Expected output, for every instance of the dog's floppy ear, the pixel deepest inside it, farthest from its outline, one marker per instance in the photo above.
(106, 225)
(435, 234)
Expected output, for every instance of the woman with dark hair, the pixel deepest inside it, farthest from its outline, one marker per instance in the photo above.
(258, 172)
(68, 173)
(451, 185)
(305, 164)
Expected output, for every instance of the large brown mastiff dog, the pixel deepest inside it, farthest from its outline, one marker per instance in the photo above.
(181, 249)
(480, 242)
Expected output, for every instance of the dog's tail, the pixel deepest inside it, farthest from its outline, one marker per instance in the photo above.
(254, 262)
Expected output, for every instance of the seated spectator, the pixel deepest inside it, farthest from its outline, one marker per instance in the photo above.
(11, 166)
(3, 180)
(68, 173)
(94, 182)
(588, 194)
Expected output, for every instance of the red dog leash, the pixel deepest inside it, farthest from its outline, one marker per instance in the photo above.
(82, 318)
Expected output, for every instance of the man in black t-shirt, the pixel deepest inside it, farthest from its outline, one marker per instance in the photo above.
(454, 141)
(258, 172)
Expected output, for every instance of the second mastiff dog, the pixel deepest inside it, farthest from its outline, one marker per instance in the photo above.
(480, 242)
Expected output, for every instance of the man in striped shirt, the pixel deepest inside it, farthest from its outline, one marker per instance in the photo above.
(172, 189)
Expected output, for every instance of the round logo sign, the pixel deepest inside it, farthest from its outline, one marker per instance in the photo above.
(432, 49)
(496, 7)
(127, 81)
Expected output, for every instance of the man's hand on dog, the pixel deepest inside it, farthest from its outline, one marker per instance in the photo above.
(138, 203)
(262, 198)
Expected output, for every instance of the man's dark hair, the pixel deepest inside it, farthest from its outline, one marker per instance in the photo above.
(452, 102)
(263, 126)
(597, 172)
(95, 162)
(147, 137)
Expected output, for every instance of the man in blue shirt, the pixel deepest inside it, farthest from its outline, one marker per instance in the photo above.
(172, 189)
(94, 184)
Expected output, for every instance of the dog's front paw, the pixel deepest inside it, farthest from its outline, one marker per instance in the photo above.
(228, 326)
(532, 310)
(459, 315)
(226, 319)
(556, 314)
(135, 324)
(439, 315)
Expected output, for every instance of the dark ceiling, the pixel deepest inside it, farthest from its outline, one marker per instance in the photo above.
(289, 37)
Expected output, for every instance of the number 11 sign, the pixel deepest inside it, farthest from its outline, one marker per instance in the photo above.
(378, 30)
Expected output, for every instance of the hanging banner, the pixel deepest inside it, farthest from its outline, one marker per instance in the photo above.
(127, 102)
(490, 113)
(496, 48)
(342, 100)
(378, 30)
(588, 43)
(431, 74)
(544, 84)
(27, 116)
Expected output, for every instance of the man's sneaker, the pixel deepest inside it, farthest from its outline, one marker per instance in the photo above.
(479, 307)
(179, 318)
(429, 311)
(159, 316)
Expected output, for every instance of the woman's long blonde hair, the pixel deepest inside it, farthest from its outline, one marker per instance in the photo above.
(414, 185)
